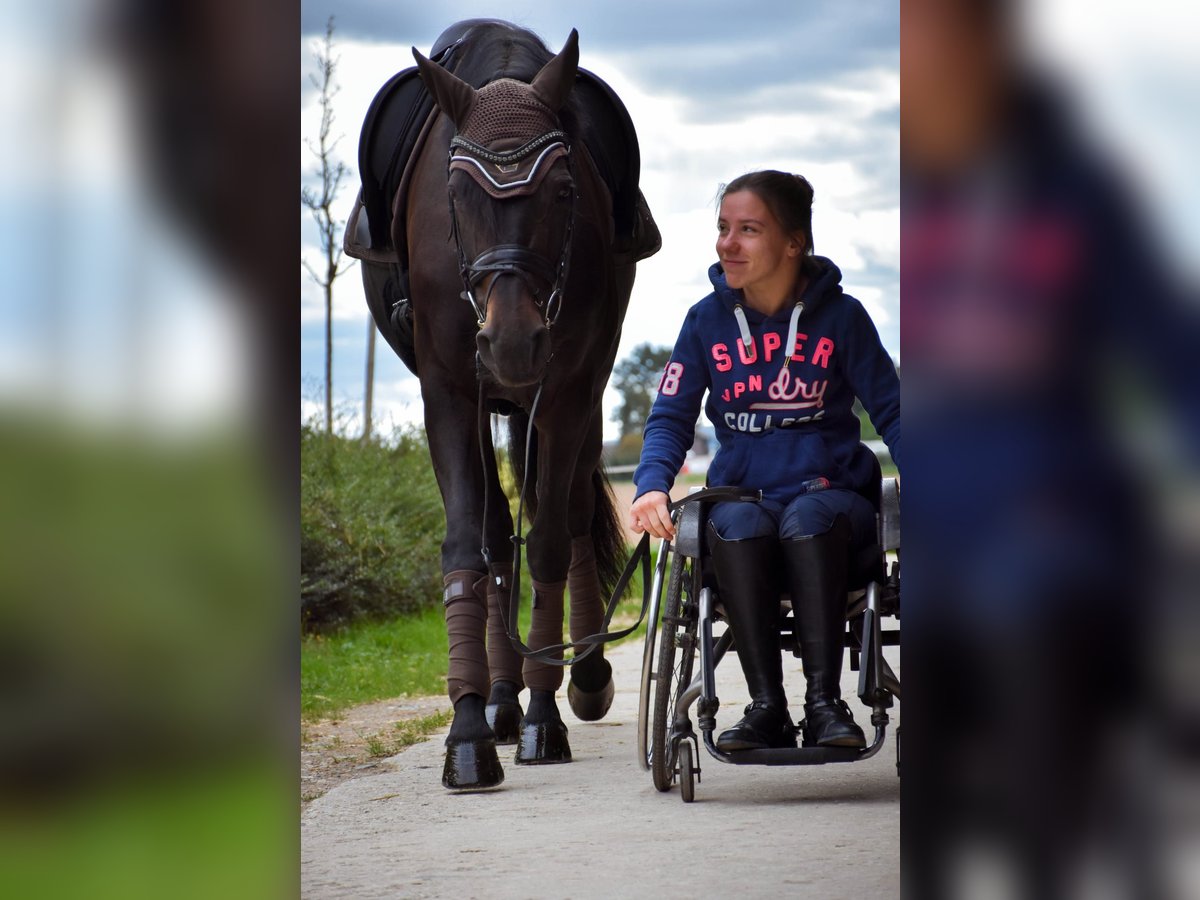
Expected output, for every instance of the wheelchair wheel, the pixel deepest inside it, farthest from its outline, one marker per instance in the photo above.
(687, 772)
(676, 658)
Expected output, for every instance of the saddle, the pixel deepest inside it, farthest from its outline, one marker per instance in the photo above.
(394, 131)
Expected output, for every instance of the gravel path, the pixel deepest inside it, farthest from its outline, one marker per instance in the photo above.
(597, 828)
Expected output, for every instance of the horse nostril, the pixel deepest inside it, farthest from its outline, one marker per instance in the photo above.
(483, 342)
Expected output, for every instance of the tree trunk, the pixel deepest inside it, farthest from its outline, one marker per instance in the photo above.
(369, 388)
(328, 358)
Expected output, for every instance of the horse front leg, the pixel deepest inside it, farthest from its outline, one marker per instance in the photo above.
(450, 423)
(503, 710)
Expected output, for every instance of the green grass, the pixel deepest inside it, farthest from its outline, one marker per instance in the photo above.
(367, 661)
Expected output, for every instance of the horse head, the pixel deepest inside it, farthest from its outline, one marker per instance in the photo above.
(512, 197)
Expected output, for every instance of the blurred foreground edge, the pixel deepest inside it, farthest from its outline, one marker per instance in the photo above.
(1051, 533)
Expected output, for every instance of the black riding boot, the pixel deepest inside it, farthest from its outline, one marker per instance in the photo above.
(750, 593)
(816, 571)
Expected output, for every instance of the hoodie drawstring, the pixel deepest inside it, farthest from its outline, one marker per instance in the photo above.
(793, 327)
(748, 340)
(744, 327)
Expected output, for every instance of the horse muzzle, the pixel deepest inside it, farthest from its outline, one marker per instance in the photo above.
(516, 357)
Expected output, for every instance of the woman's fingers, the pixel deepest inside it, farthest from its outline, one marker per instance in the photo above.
(650, 513)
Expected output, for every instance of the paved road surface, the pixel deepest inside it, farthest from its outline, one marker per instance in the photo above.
(596, 827)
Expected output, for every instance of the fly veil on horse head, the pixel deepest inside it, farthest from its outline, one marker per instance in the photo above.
(520, 221)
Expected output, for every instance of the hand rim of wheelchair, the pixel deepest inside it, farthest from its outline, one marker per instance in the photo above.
(878, 684)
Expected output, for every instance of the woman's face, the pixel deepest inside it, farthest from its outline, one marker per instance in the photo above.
(751, 244)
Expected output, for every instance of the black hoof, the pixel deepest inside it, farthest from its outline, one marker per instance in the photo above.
(505, 720)
(472, 765)
(590, 706)
(542, 744)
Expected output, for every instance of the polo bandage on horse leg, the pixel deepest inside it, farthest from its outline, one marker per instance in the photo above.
(503, 659)
(466, 624)
(545, 629)
(583, 583)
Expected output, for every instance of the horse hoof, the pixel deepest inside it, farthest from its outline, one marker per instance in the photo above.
(590, 706)
(505, 720)
(472, 765)
(542, 744)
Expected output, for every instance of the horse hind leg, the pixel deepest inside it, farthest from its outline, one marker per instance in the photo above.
(471, 758)
(543, 737)
(591, 690)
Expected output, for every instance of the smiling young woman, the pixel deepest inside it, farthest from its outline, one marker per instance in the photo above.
(782, 353)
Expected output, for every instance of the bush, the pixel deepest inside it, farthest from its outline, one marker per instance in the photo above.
(371, 527)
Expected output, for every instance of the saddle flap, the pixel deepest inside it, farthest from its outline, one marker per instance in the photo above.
(356, 238)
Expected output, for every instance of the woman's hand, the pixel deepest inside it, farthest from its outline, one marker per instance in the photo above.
(650, 513)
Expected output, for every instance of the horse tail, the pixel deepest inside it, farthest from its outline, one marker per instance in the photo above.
(518, 429)
(608, 537)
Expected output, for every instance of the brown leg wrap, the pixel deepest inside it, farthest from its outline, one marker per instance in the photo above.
(545, 629)
(466, 624)
(587, 606)
(503, 661)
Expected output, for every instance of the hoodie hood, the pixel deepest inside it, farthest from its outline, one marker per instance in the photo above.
(823, 286)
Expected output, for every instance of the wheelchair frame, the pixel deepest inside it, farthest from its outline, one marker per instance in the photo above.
(668, 745)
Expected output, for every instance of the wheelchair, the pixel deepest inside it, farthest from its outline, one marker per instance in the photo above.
(680, 627)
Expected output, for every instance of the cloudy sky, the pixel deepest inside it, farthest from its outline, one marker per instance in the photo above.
(715, 89)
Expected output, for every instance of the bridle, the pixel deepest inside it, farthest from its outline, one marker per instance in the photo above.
(531, 267)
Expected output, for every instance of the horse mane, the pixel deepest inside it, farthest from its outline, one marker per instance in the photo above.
(494, 50)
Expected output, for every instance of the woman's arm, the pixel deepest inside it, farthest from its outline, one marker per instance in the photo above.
(670, 431)
(872, 376)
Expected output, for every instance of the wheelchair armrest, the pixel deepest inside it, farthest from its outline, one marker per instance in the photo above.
(889, 515)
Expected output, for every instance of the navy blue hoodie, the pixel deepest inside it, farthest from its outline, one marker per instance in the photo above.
(778, 426)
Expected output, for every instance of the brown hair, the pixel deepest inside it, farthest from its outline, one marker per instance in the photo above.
(790, 199)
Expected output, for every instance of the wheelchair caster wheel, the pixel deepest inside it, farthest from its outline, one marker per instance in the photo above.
(688, 773)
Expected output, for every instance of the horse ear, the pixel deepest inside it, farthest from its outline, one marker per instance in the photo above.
(553, 84)
(452, 95)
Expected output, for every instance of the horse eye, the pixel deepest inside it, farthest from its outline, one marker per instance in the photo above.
(564, 193)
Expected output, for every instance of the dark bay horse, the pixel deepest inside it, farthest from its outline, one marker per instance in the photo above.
(520, 270)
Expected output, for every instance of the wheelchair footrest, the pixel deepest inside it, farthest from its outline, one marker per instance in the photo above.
(799, 756)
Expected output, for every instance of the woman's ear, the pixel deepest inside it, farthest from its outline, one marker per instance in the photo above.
(795, 247)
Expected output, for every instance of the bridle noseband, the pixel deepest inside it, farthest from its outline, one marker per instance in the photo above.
(531, 267)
